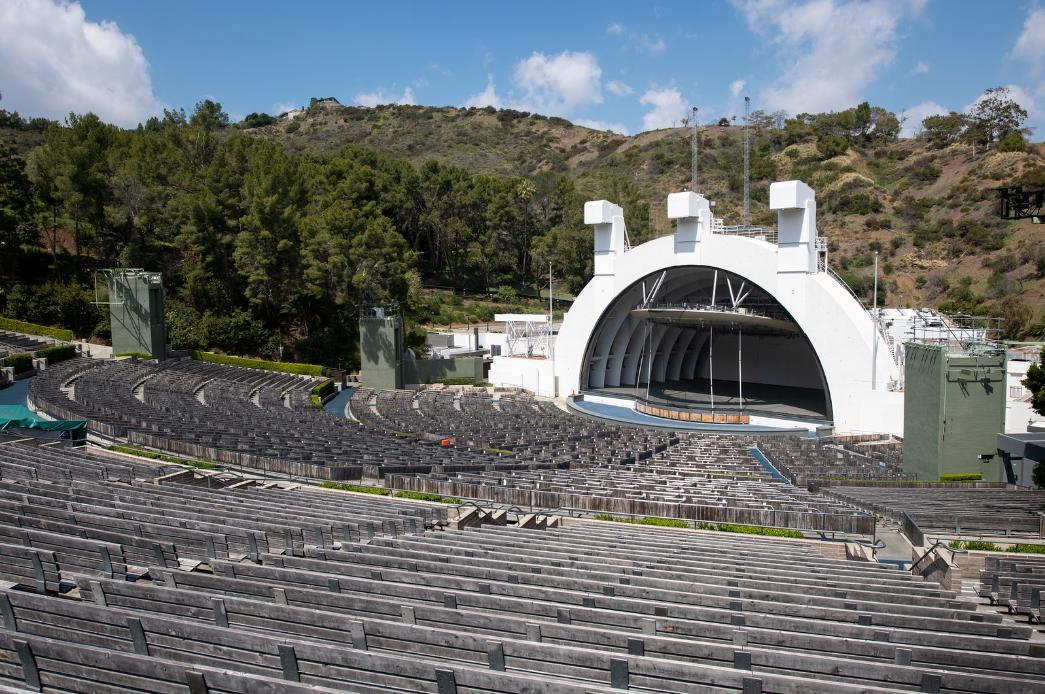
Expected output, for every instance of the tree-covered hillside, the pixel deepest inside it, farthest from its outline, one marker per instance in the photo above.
(272, 232)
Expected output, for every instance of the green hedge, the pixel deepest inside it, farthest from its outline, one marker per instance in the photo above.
(21, 362)
(422, 496)
(57, 353)
(979, 545)
(281, 366)
(17, 326)
(324, 389)
(347, 487)
(648, 520)
(751, 530)
(962, 477)
(153, 455)
(463, 381)
(983, 546)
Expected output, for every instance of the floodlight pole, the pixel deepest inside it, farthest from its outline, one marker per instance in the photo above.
(874, 333)
(740, 366)
(747, 162)
(711, 345)
(550, 344)
(693, 152)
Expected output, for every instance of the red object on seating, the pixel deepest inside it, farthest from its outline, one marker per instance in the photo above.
(446, 442)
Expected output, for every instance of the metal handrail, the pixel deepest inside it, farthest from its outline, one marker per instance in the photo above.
(938, 543)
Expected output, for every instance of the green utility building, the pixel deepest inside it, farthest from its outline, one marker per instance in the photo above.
(954, 408)
(136, 312)
(384, 367)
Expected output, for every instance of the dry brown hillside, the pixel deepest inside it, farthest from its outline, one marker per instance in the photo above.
(931, 213)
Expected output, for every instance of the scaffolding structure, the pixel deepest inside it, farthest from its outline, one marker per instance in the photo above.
(526, 334)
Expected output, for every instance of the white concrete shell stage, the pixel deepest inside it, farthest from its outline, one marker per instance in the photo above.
(821, 365)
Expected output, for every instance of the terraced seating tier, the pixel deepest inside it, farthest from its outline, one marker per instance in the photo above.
(313, 601)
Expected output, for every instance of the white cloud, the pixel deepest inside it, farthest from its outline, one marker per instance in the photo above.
(487, 97)
(53, 61)
(618, 88)
(914, 116)
(649, 43)
(643, 43)
(736, 87)
(920, 68)
(668, 108)
(371, 99)
(618, 128)
(830, 50)
(558, 84)
(1030, 46)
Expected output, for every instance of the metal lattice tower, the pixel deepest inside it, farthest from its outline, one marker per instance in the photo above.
(747, 161)
(693, 152)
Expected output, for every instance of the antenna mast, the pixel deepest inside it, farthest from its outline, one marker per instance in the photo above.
(747, 162)
(693, 151)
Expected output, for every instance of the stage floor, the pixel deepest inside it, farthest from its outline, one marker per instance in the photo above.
(759, 399)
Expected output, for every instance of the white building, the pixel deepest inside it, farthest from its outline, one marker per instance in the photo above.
(745, 322)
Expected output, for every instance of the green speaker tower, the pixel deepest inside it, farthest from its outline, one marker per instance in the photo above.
(136, 312)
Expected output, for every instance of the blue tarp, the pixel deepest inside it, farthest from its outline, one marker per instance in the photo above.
(21, 417)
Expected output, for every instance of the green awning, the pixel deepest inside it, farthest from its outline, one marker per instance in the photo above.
(21, 417)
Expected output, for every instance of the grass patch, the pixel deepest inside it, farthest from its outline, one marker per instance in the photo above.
(648, 520)
(280, 366)
(137, 355)
(358, 488)
(1027, 549)
(962, 477)
(751, 530)
(154, 455)
(17, 326)
(497, 450)
(979, 545)
(422, 496)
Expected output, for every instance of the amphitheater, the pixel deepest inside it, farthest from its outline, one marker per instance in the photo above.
(125, 574)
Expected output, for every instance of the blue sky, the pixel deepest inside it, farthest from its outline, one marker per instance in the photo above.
(629, 67)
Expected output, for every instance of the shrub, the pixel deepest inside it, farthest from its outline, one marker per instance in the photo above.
(648, 520)
(421, 496)
(1013, 142)
(358, 488)
(21, 362)
(962, 477)
(280, 366)
(324, 389)
(1027, 549)
(831, 146)
(57, 353)
(463, 381)
(154, 455)
(18, 326)
(977, 545)
(317, 394)
(751, 530)
(506, 294)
